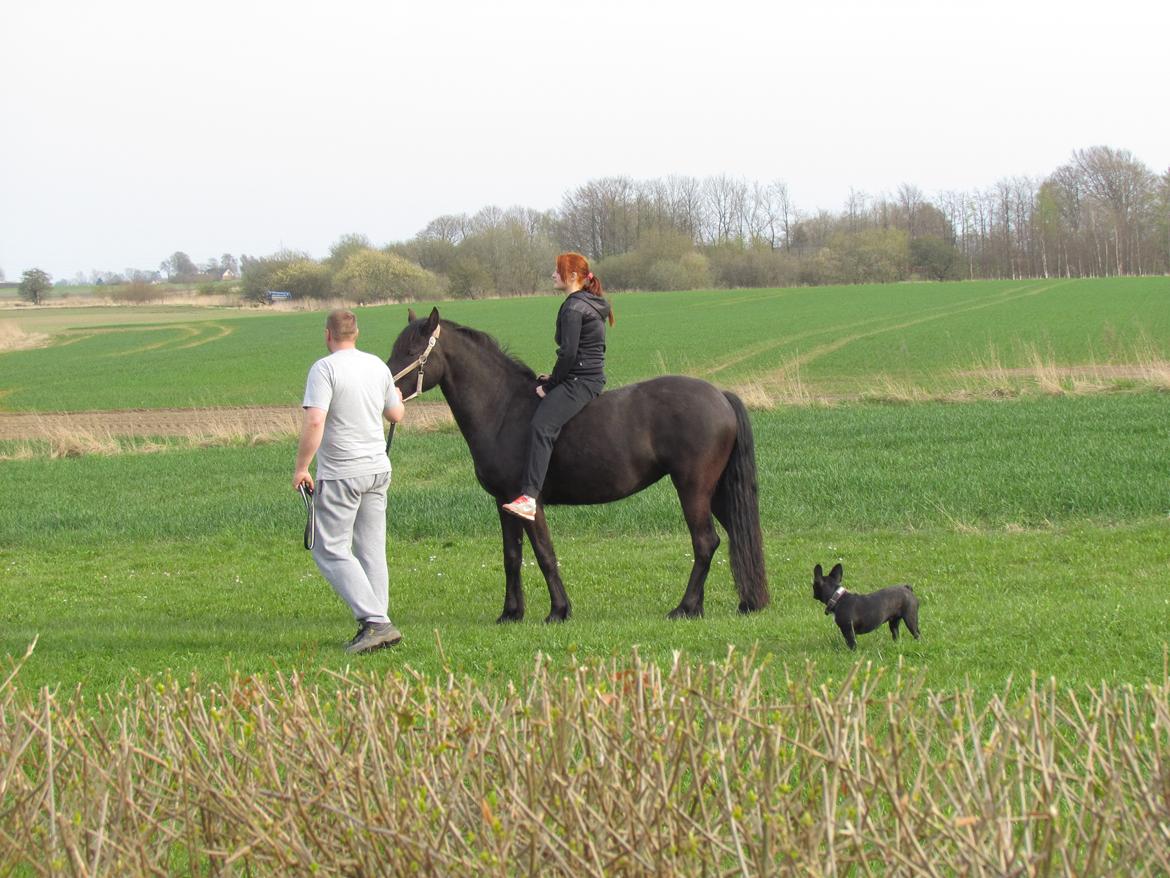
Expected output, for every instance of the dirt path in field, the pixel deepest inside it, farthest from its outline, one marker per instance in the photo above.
(1101, 371)
(270, 420)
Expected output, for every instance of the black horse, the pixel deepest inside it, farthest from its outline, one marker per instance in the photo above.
(625, 440)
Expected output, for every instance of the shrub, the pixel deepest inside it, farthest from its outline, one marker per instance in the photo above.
(304, 278)
(623, 272)
(377, 276)
(755, 266)
(263, 274)
(935, 258)
(687, 272)
(134, 293)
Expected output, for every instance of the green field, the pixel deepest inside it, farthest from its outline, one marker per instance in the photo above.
(938, 339)
(1033, 528)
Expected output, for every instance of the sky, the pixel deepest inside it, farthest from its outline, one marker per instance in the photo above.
(131, 130)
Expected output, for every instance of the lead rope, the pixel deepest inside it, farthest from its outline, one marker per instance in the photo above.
(310, 515)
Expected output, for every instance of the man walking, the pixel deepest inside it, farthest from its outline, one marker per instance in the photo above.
(346, 396)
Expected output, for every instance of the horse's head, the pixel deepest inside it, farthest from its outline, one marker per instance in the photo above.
(419, 341)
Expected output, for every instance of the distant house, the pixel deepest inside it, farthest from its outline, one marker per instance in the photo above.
(229, 275)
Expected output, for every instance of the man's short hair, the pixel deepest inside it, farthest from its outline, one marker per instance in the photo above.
(342, 324)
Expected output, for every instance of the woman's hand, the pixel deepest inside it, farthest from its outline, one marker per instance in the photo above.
(540, 390)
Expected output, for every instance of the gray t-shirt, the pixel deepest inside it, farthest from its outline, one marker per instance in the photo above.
(353, 388)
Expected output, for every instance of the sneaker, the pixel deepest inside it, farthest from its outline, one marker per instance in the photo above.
(374, 635)
(523, 506)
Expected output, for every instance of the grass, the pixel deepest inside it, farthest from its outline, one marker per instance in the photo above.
(1004, 516)
(216, 607)
(835, 341)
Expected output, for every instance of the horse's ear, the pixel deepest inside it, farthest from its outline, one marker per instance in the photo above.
(410, 315)
(433, 320)
(818, 573)
(837, 572)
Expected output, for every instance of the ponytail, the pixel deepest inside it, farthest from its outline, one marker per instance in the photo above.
(593, 285)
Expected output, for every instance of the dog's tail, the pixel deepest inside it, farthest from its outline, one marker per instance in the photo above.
(736, 504)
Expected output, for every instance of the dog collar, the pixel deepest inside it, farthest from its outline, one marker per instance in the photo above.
(834, 599)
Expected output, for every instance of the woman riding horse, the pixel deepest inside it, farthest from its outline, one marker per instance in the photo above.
(577, 378)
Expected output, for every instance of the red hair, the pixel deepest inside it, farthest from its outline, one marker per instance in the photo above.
(575, 263)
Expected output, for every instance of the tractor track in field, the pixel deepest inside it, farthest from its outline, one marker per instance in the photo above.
(873, 325)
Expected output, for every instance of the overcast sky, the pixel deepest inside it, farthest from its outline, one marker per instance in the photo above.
(135, 129)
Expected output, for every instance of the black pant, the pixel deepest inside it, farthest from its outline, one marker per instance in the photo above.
(555, 410)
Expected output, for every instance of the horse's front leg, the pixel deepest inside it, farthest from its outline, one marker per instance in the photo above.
(513, 531)
(542, 546)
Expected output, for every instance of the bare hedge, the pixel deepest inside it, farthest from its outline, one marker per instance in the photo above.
(603, 768)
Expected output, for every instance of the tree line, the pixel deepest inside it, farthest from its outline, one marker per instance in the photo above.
(1102, 213)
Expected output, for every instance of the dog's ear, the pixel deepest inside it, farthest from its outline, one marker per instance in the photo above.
(837, 572)
(818, 573)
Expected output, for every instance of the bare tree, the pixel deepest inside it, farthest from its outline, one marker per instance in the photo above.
(451, 228)
(1125, 188)
(855, 208)
(910, 200)
(726, 199)
(686, 205)
(785, 211)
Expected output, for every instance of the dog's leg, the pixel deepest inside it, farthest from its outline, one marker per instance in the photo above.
(850, 637)
(894, 626)
(911, 617)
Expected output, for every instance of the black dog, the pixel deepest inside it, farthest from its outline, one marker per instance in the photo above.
(861, 613)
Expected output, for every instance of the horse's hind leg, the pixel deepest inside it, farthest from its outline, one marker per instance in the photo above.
(513, 531)
(696, 506)
(542, 547)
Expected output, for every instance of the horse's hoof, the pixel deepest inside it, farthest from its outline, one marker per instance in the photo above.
(681, 612)
(510, 616)
(745, 608)
(557, 616)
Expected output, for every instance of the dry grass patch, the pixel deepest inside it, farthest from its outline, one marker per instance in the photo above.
(1042, 374)
(1154, 368)
(782, 387)
(216, 430)
(613, 767)
(73, 434)
(13, 338)
(888, 390)
(58, 441)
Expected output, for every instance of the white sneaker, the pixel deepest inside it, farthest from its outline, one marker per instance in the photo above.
(523, 506)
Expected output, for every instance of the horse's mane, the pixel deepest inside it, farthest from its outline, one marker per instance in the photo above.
(492, 345)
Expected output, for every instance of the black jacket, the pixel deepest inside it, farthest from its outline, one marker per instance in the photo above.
(580, 339)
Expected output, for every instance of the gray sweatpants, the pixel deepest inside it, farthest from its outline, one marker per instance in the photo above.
(349, 544)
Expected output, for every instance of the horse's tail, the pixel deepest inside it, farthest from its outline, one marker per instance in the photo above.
(736, 503)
